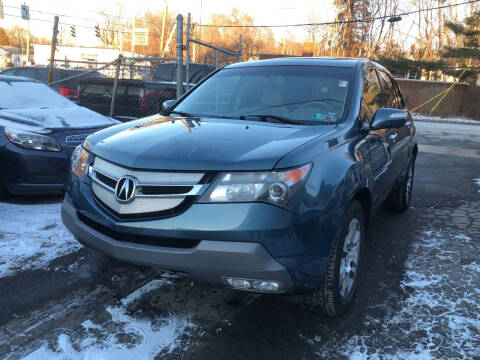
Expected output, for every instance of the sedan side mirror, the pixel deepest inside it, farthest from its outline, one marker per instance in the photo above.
(386, 118)
(167, 105)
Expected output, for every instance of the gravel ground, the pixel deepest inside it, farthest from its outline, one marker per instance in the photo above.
(418, 296)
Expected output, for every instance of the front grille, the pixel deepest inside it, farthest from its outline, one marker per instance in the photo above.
(156, 194)
(76, 138)
(138, 238)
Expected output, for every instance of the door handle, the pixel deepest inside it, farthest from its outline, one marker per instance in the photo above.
(393, 136)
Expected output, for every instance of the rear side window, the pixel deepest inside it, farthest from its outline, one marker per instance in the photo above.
(398, 94)
(164, 72)
(372, 98)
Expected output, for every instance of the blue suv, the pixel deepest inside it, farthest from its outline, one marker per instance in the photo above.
(260, 178)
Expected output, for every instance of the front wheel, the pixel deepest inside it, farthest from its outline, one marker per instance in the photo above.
(338, 287)
(400, 199)
(3, 187)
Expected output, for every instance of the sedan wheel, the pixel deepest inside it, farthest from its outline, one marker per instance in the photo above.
(401, 197)
(350, 258)
(337, 290)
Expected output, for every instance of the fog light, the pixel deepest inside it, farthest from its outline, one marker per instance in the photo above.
(264, 285)
(240, 284)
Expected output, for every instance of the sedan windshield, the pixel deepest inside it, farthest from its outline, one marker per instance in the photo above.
(301, 94)
(28, 95)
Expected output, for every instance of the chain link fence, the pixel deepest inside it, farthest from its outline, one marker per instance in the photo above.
(133, 87)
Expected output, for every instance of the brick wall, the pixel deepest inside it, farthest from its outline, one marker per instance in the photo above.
(463, 100)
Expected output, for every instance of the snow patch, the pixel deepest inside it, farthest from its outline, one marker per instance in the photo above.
(133, 338)
(31, 236)
(454, 120)
(439, 316)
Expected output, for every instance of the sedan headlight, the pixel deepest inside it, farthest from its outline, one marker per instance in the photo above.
(79, 160)
(31, 140)
(276, 187)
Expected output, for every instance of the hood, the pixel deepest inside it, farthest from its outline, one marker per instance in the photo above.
(46, 120)
(165, 143)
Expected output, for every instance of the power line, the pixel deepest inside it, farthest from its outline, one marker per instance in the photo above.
(342, 21)
(129, 20)
(84, 26)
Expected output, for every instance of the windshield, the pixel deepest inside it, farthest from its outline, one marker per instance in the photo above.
(27, 95)
(303, 94)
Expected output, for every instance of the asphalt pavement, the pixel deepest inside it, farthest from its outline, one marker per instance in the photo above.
(419, 294)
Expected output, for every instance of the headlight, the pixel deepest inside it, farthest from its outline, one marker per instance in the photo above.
(31, 140)
(78, 164)
(276, 187)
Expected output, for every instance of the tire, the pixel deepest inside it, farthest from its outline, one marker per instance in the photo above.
(3, 187)
(336, 293)
(399, 200)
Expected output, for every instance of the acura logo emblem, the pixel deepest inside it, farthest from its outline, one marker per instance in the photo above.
(125, 189)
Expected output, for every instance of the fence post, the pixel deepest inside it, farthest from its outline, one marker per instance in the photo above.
(216, 58)
(240, 48)
(179, 55)
(187, 65)
(115, 85)
(52, 50)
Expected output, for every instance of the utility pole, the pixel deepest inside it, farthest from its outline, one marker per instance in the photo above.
(164, 24)
(25, 13)
(440, 27)
(179, 55)
(52, 49)
(132, 50)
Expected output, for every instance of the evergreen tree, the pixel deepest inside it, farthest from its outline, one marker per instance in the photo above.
(467, 54)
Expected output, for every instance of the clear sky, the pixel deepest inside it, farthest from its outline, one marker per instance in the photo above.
(263, 11)
(271, 12)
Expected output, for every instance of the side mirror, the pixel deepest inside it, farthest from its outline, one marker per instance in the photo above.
(386, 118)
(167, 105)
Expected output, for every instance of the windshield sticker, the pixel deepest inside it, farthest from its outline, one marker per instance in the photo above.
(320, 117)
(343, 83)
(332, 117)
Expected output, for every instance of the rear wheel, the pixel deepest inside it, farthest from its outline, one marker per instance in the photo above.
(400, 199)
(338, 288)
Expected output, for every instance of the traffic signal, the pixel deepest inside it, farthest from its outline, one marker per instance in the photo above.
(97, 31)
(72, 31)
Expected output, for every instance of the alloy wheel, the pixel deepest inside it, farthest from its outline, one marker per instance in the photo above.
(350, 258)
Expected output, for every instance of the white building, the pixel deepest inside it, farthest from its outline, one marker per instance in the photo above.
(74, 53)
(10, 56)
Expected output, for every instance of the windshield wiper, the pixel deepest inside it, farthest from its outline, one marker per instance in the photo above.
(181, 113)
(269, 118)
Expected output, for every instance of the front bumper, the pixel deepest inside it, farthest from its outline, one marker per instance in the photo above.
(300, 244)
(208, 262)
(31, 172)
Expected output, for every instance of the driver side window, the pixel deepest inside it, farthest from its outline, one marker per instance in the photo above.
(372, 97)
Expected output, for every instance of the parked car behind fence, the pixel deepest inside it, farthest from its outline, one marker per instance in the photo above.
(66, 88)
(137, 98)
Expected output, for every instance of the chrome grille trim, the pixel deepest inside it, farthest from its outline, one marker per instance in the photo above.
(153, 178)
(197, 189)
(137, 206)
(105, 175)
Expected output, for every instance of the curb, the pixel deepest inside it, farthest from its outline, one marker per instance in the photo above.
(446, 120)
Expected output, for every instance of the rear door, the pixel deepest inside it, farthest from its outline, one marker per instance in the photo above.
(378, 155)
(398, 139)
